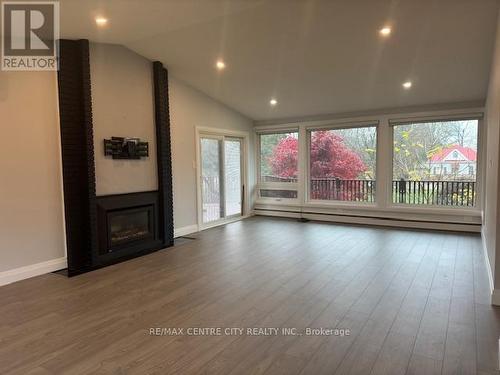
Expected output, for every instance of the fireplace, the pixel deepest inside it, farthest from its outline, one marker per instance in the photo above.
(127, 225)
(101, 230)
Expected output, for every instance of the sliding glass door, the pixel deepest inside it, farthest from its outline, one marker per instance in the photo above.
(211, 152)
(221, 178)
(232, 177)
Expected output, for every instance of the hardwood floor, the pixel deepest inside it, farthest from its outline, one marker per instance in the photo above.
(414, 302)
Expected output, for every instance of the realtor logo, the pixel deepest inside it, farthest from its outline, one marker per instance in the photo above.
(30, 31)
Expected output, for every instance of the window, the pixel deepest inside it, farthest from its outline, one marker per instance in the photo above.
(342, 164)
(419, 148)
(279, 157)
(279, 153)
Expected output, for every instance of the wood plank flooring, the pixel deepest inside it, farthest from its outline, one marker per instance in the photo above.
(413, 302)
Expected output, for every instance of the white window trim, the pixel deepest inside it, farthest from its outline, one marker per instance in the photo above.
(383, 201)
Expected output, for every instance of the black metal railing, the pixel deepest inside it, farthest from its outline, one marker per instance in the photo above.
(440, 193)
(426, 192)
(343, 190)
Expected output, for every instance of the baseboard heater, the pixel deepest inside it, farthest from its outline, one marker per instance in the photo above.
(374, 220)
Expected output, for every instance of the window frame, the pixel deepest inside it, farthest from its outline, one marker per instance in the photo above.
(383, 207)
(277, 185)
(479, 166)
(338, 126)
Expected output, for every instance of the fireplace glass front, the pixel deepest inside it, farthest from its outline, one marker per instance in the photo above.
(129, 225)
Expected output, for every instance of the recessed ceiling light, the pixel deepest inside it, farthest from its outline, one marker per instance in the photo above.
(220, 64)
(273, 102)
(407, 85)
(385, 31)
(101, 21)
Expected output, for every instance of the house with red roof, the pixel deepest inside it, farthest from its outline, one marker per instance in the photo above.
(454, 161)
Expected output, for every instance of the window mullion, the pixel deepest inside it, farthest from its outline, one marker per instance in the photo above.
(302, 164)
(384, 164)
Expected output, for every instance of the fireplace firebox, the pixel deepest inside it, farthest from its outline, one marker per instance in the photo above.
(127, 224)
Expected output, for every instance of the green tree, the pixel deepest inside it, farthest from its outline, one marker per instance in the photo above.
(415, 144)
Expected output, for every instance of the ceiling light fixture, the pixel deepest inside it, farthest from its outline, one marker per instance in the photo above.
(101, 21)
(385, 31)
(273, 102)
(220, 64)
(407, 85)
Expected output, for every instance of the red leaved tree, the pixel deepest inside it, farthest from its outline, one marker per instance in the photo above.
(284, 159)
(330, 159)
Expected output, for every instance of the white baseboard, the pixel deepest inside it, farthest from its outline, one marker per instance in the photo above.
(184, 231)
(293, 215)
(21, 273)
(487, 260)
(495, 297)
(373, 221)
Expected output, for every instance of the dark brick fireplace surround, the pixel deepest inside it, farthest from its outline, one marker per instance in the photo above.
(104, 230)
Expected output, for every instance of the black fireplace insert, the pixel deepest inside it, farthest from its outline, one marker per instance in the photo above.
(127, 225)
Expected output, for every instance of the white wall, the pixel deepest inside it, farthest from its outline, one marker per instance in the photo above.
(190, 108)
(491, 210)
(122, 106)
(31, 208)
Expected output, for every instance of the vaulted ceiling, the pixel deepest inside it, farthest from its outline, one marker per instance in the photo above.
(313, 56)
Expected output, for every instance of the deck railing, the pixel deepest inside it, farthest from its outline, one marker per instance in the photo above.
(426, 192)
(441, 193)
(212, 206)
(343, 190)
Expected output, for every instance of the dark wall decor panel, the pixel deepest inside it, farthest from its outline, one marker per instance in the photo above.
(77, 145)
(126, 148)
(162, 123)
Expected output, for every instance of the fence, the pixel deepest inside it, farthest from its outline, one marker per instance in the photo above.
(211, 197)
(343, 190)
(427, 192)
(442, 193)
